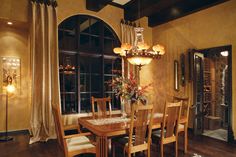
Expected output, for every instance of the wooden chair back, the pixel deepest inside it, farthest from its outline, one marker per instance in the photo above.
(140, 128)
(171, 119)
(59, 127)
(101, 105)
(185, 106)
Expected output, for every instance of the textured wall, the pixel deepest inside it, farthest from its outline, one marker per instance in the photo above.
(14, 10)
(14, 43)
(208, 28)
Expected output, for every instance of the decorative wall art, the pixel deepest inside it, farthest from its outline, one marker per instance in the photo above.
(11, 71)
(176, 76)
(182, 64)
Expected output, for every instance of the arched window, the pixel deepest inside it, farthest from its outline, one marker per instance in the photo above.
(87, 62)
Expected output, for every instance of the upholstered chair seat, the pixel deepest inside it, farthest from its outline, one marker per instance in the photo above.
(78, 143)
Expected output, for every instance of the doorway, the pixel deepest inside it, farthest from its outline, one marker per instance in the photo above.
(212, 77)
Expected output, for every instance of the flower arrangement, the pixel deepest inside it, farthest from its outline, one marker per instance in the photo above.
(129, 89)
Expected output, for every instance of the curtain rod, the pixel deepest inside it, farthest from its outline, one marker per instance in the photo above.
(47, 2)
(123, 21)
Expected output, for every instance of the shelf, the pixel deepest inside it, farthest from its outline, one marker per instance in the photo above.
(89, 34)
(110, 75)
(89, 92)
(110, 92)
(68, 92)
(92, 74)
(68, 73)
(66, 30)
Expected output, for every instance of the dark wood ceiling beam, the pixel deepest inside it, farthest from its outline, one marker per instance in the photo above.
(147, 8)
(96, 5)
(179, 10)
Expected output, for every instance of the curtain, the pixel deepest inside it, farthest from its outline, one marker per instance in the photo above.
(127, 36)
(44, 69)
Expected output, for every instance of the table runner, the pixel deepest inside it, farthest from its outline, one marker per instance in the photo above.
(104, 121)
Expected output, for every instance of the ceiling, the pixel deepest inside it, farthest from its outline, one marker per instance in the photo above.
(121, 2)
(157, 11)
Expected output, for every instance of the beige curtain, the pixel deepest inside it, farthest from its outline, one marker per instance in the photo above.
(45, 76)
(127, 36)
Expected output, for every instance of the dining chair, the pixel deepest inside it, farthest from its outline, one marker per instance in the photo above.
(169, 127)
(183, 126)
(71, 145)
(101, 105)
(140, 130)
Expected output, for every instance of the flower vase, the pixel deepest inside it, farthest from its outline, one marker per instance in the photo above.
(128, 105)
(123, 113)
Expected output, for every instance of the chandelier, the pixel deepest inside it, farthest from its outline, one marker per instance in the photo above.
(140, 53)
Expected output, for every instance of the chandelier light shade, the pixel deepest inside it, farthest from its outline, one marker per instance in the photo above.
(140, 53)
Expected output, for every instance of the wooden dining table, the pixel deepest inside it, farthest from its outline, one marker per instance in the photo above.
(105, 131)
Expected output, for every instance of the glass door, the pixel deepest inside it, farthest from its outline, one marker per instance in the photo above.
(198, 93)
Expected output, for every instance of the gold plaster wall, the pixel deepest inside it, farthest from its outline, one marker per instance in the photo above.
(14, 43)
(208, 28)
(14, 10)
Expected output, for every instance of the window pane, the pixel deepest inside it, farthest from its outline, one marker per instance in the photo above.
(117, 67)
(95, 83)
(71, 103)
(67, 40)
(84, 82)
(107, 32)
(84, 40)
(95, 42)
(107, 82)
(84, 65)
(70, 83)
(85, 103)
(107, 66)
(95, 26)
(84, 24)
(108, 45)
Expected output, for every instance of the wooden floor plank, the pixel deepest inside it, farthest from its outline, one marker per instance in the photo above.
(201, 145)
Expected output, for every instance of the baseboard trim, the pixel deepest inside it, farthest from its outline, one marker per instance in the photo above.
(25, 132)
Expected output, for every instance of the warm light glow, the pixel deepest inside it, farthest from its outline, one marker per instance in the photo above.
(123, 54)
(9, 23)
(224, 53)
(117, 50)
(139, 60)
(159, 49)
(126, 46)
(139, 53)
(143, 46)
(10, 88)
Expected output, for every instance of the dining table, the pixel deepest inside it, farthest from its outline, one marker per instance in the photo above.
(111, 126)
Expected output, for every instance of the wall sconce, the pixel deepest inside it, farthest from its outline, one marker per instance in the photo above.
(9, 89)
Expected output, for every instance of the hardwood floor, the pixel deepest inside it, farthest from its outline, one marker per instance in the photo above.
(204, 146)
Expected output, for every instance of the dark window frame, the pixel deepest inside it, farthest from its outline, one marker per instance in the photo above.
(70, 45)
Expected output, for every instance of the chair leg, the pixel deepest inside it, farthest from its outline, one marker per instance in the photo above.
(185, 141)
(162, 150)
(113, 151)
(149, 152)
(176, 148)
